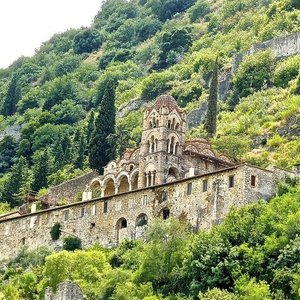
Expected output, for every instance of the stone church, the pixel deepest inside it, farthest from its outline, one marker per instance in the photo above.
(167, 176)
(163, 156)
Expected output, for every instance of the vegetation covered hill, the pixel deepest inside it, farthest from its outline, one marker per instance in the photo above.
(254, 255)
(149, 47)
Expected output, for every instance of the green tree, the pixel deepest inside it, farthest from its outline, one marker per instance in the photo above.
(100, 150)
(13, 95)
(7, 153)
(212, 106)
(41, 169)
(87, 40)
(79, 149)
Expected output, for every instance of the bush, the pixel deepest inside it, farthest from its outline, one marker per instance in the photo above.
(286, 71)
(87, 40)
(254, 73)
(199, 10)
(72, 243)
(55, 231)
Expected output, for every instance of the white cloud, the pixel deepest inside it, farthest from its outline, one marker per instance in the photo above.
(25, 24)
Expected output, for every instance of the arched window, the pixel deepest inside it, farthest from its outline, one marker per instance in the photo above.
(141, 220)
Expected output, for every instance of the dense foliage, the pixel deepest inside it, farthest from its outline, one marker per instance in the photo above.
(254, 254)
(49, 102)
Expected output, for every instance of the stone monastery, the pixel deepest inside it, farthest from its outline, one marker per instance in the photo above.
(167, 176)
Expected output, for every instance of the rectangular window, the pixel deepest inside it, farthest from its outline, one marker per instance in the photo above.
(189, 188)
(253, 180)
(94, 210)
(145, 200)
(231, 181)
(164, 196)
(66, 215)
(204, 185)
(82, 212)
(105, 205)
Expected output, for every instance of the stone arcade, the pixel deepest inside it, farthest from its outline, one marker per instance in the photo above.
(166, 177)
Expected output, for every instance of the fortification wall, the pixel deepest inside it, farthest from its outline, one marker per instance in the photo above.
(66, 290)
(99, 220)
(69, 189)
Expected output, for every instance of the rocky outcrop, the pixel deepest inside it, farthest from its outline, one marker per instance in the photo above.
(65, 291)
(14, 131)
(134, 104)
(197, 116)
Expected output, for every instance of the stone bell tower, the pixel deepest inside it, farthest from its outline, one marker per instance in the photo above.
(162, 142)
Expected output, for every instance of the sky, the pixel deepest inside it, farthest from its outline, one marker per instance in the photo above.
(25, 24)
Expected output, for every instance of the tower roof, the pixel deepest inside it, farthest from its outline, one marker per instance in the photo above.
(165, 101)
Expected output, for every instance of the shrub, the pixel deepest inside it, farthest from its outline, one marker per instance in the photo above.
(87, 40)
(286, 71)
(254, 73)
(72, 243)
(55, 231)
(199, 10)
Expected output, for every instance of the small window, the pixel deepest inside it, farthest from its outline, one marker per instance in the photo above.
(105, 205)
(189, 188)
(66, 215)
(231, 181)
(23, 240)
(93, 225)
(164, 196)
(253, 180)
(145, 200)
(206, 165)
(204, 185)
(82, 212)
(166, 213)
(94, 210)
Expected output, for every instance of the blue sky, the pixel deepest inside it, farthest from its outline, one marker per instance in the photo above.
(25, 24)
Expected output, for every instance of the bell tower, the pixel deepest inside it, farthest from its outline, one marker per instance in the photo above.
(162, 142)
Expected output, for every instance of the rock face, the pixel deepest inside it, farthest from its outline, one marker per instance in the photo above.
(14, 131)
(197, 116)
(134, 104)
(65, 291)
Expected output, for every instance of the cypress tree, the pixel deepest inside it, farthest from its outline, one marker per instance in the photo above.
(90, 127)
(211, 115)
(101, 151)
(41, 170)
(12, 97)
(79, 146)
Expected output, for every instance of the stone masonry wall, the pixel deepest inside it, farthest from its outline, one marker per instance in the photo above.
(99, 220)
(66, 290)
(69, 189)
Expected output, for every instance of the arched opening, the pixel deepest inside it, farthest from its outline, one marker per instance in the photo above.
(121, 223)
(165, 213)
(172, 174)
(123, 184)
(169, 124)
(157, 122)
(175, 152)
(177, 126)
(109, 188)
(134, 181)
(141, 220)
(96, 189)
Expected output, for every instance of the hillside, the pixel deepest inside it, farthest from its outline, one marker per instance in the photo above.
(253, 255)
(149, 48)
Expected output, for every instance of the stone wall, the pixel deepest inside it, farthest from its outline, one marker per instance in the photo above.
(66, 290)
(100, 220)
(282, 47)
(69, 189)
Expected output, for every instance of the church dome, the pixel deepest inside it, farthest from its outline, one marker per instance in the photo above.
(165, 101)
